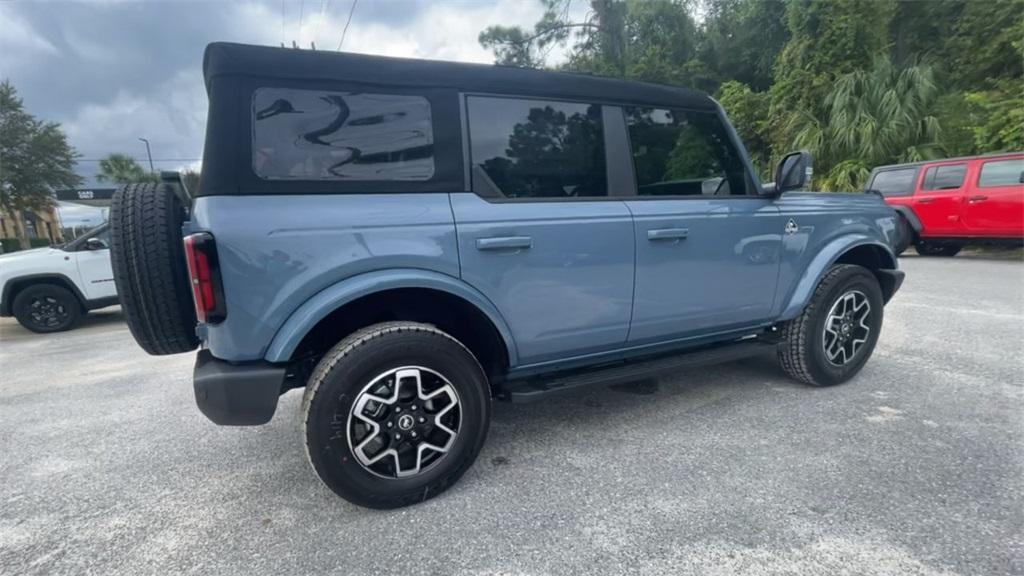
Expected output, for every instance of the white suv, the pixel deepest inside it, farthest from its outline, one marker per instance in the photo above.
(49, 289)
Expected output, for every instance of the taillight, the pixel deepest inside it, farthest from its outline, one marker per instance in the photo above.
(204, 275)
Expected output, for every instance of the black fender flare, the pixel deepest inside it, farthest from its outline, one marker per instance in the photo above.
(908, 214)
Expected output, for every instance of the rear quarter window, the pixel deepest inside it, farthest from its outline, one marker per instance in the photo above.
(899, 182)
(341, 136)
(1002, 173)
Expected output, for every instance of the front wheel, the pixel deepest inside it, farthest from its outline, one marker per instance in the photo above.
(832, 339)
(45, 308)
(395, 414)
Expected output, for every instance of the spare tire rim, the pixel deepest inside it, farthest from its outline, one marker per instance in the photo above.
(47, 311)
(846, 327)
(404, 422)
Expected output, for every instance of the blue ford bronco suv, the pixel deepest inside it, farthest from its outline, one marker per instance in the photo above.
(409, 240)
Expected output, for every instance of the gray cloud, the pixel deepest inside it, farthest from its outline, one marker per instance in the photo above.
(112, 72)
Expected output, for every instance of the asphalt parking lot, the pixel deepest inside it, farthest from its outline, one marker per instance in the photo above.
(915, 467)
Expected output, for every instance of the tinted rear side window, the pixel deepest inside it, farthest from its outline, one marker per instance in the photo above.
(944, 177)
(354, 136)
(1002, 173)
(683, 153)
(536, 148)
(894, 182)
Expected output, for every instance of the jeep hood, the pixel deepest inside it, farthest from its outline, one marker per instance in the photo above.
(24, 254)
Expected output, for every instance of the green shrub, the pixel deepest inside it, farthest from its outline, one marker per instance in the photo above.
(10, 245)
(38, 242)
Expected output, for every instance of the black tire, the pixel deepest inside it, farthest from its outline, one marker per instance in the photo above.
(904, 235)
(937, 249)
(802, 352)
(45, 308)
(344, 374)
(148, 258)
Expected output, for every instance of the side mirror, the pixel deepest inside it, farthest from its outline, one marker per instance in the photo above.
(95, 244)
(1021, 179)
(794, 171)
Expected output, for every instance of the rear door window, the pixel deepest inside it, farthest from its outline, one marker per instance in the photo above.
(1002, 173)
(898, 182)
(948, 177)
(684, 153)
(341, 136)
(536, 148)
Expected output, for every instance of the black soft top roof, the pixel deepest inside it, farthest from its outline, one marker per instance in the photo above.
(229, 59)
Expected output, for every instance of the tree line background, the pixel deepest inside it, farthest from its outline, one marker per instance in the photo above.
(859, 83)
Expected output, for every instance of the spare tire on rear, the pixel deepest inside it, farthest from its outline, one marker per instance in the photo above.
(148, 258)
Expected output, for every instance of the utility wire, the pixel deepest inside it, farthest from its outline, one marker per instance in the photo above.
(142, 158)
(316, 31)
(347, 22)
(282, 22)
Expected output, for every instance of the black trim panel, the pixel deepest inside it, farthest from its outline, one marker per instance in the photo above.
(534, 389)
(618, 157)
(236, 394)
(102, 302)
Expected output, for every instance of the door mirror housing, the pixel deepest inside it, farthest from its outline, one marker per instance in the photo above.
(793, 172)
(95, 244)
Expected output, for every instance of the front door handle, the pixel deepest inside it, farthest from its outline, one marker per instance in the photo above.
(504, 243)
(668, 234)
(978, 198)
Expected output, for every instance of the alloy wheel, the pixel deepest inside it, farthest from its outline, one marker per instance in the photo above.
(846, 327)
(404, 422)
(47, 312)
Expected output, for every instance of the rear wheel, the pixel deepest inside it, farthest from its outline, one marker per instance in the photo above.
(47, 308)
(937, 248)
(832, 339)
(395, 414)
(148, 258)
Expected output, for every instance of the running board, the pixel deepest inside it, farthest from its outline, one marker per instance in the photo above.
(537, 388)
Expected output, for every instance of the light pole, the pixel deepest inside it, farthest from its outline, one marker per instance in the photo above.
(150, 155)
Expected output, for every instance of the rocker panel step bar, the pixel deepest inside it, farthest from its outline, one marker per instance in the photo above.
(540, 387)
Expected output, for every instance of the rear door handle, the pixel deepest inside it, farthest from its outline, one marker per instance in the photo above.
(978, 198)
(668, 234)
(925, 200)
(504, 243)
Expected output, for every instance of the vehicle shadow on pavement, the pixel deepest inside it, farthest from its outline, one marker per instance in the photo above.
(556, 428)
(982, 254)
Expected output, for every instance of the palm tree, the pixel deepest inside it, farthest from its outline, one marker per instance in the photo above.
(872, 117)
(123, 169)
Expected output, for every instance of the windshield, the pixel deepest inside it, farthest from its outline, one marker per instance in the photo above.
(102, 232)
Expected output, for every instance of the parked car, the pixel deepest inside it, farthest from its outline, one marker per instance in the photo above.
(409, 240)
(50, 289)
(945, 205)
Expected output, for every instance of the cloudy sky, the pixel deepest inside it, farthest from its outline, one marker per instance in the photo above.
(114, 71)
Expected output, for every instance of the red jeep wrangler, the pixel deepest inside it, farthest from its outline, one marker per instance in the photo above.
(946, 204)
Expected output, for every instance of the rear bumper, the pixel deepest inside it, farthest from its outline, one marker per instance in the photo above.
(891, 280)
(236, 394)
